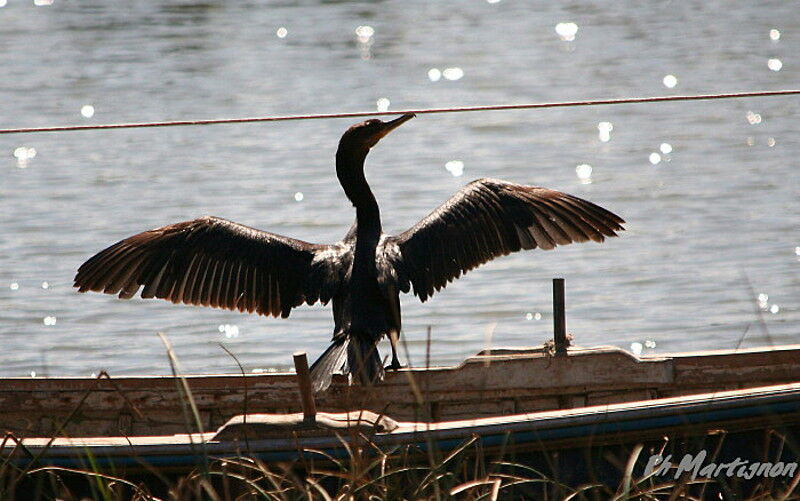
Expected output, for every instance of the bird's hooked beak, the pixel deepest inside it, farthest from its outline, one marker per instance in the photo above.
(392, 125)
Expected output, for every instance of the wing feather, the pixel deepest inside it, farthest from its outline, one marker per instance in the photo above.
(214, 262)
(486, 219)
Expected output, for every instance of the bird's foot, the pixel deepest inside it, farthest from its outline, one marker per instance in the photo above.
(394, 366)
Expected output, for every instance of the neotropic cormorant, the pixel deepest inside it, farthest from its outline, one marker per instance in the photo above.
(214, 262)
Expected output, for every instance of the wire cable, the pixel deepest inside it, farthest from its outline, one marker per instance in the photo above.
(499, 107)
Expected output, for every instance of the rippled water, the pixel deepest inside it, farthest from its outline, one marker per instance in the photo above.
(709, 189)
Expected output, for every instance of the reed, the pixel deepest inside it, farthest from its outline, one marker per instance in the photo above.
(369, 472)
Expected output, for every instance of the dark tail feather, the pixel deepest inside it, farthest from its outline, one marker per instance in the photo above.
(364, 361)
(350, 355)
(333, 361)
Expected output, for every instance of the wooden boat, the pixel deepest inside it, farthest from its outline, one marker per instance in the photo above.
(567, 416)
(494, 383)
(289, 438)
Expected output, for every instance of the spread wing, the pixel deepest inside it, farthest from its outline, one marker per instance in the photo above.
(214, 262)
(486, 219)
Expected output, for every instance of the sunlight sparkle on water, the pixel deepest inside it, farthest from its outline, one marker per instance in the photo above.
(654, 158)
(584, 173)
(567, 31)
(493, 1)
(231, 331)
(533, 316)
(434, 74)
(87, 110)
(298, 196)
(262, 370)
(774, 35)
(3, 3)
(49, 320)
(604, 131)
(774, 309)
(23, 154)
(282, 32)
(670, 81)
(770, 142)
(15, 286)
(383, 104)
(364, 34)
(455, 167)
(763, 301)
(774, 64)
(42, 3)
(753, 118)
(45, 285)
(650, 343)
(636, 348)
(665, 148)
(453, 73)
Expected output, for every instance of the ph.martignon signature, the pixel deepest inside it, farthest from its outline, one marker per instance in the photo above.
(696, 466)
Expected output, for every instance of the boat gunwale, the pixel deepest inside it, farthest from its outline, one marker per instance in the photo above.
(538, 427)
(494, 354)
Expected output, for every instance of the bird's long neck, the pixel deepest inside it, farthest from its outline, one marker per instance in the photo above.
(350, 171)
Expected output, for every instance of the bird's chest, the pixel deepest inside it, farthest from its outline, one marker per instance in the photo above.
(362, 305)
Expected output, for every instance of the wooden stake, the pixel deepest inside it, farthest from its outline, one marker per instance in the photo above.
(304, 385)
(559, 317)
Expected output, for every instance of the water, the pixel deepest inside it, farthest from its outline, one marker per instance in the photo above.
(712, 223)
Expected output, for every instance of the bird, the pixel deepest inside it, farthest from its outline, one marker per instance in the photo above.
(213, 262)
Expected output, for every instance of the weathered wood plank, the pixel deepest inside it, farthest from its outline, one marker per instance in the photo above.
(503, 381)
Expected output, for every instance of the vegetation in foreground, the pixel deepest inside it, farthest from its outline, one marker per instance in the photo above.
(370, 473)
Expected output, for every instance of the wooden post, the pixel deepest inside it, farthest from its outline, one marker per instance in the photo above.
(559, 317)
(304, 384)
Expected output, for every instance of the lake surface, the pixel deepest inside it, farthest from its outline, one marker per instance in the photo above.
(710, 190)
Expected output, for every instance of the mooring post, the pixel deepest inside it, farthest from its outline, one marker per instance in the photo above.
(559, 317)
(304, 384)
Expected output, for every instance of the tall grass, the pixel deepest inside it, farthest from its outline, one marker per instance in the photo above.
(371, 472)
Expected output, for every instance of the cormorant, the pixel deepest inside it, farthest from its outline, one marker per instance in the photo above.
(214, 262)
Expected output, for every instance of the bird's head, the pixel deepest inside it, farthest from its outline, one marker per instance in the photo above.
(363, 136)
